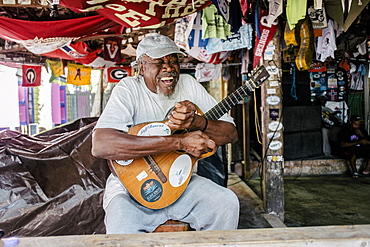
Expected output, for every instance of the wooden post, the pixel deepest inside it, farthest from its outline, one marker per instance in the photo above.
(246, 140)
(101, 83)
(367, 100)
(272, 136)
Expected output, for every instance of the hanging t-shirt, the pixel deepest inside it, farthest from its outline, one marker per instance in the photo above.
(357, 80)
(207, 72)
(238, 40)
(295, 11)
(326, 44)
(213, 24)
(339, 106)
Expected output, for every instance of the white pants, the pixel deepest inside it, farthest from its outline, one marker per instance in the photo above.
(327, 136)
(204, 205)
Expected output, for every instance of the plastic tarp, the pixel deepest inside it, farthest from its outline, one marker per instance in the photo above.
(50, 184)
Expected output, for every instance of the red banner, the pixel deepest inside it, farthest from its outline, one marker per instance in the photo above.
(31, 75)
(151, 14)
(55, 38)
(112, 49)
(115, 74)
(267, 31)
(78, 52)
(41, 32)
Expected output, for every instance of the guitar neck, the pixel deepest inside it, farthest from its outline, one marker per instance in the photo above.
(230, 101)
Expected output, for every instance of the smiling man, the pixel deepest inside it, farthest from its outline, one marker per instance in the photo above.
(158, 89)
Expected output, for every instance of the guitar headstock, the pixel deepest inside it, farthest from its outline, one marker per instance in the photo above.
(259, 76)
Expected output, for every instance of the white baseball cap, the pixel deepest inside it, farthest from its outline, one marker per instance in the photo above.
(157, 46)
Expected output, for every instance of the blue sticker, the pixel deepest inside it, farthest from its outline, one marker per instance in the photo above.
(274, 114)
(151, 190)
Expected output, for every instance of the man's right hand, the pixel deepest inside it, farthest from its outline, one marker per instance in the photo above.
(196, 143)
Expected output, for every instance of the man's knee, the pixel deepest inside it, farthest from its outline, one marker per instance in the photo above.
(227, 201)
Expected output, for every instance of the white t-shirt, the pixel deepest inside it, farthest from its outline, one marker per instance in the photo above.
(131, 103)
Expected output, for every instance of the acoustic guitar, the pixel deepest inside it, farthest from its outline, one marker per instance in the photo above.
(306, 46)
(157, 181)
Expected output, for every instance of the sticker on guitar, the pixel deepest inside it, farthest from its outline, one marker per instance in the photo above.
(180, 170)
(150, 129)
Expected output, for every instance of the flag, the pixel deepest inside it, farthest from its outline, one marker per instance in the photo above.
(78, 74)
(196, 33)
(78, 52)
(57, 39)
(56, 68)
(268, 27)
(41, 37)
(112, 49)
(31, 75)
(115, 74)
(138, 13)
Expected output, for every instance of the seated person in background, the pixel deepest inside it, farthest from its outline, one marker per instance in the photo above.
(330, 124)
(355, 143)
(147, 97)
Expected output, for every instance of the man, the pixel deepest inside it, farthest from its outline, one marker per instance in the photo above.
(355, 143)
(147, 98)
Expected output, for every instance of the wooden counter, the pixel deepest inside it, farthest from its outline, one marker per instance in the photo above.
(338, 236)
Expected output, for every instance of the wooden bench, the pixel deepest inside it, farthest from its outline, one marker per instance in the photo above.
(173, 226)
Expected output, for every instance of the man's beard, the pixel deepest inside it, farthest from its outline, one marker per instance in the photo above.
(172, 88)
(171, 95)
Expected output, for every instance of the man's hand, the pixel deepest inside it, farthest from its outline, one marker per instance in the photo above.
(185, 116)
(365, 142)
(196, 143)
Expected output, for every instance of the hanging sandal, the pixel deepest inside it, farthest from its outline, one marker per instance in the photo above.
(355, 175)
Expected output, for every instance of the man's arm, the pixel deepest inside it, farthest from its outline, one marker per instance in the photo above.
(351, 144)
(184, 116)
(363, 141)
(110, 143)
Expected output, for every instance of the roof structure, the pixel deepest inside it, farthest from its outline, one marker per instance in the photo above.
(131, 20)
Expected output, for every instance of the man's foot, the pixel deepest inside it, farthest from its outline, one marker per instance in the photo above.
(355, 175)
(365, 172)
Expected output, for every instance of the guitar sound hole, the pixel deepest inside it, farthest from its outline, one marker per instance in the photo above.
(179, 131)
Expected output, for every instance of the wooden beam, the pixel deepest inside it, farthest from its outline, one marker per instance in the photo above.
(339, 236)
(272, 105)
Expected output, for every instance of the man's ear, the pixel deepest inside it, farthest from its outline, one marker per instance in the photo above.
(139, 68)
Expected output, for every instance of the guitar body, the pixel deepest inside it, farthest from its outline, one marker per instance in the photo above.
(156, 181)
(145, 186)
